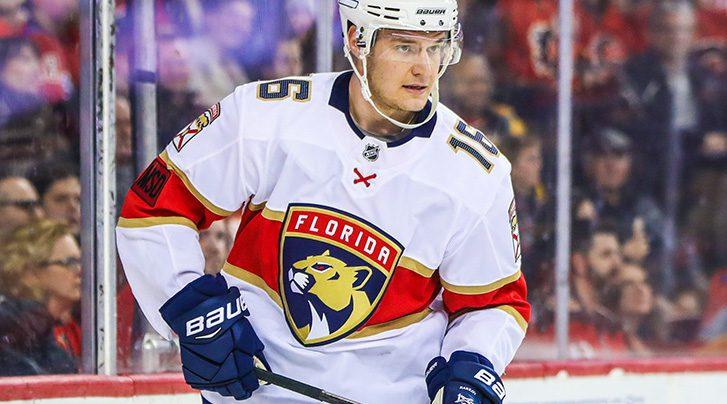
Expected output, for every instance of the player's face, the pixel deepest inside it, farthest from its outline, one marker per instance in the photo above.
(403, 68)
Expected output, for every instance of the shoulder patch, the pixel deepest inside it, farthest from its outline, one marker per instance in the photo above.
(150, 183)
(194, 128)
(514, 229)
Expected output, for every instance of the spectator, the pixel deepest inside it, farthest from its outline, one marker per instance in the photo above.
(30, 132)
(215, 245)
(41, 263)
(599, 63)
(481, 27)
(28, 344)
(593, 329)
(19, 78)
(60, 193)
(54, 26)
(712, 21)
(300, 19)
(663, 88)
(611, 195)
(288, 60)
(174, 91)
(229, 26)
(19, 204)
(596, 260)
(13, 17)
(124, 148)
(216, 67)
(529, 54)
(17, 18)
(301, 16)
(707, 229)
(682, 316)
(469, 88)
(632, 299)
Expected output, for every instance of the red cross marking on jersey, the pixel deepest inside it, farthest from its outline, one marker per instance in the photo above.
(361, 178)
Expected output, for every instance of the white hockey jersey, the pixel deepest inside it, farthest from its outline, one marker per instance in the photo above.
(359, 260)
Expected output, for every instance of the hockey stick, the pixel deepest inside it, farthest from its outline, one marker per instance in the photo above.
(301, 388)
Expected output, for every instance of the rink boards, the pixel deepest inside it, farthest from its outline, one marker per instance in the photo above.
(629, 381)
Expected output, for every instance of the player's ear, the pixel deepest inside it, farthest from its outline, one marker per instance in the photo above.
(352, 42)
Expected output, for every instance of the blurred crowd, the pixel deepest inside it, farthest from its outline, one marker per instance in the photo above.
(649, 156)
(649, 197)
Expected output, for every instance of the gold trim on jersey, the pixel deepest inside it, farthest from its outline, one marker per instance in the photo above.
(480, 289)
(516, 315)
(269, 214)
(273, 215)
(253, 207)
(416, 266)
(396, 324)
(187, 183)
(253, 280)
(142, 222)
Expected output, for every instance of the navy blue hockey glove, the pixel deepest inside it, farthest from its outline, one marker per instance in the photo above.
(467, 378)
(219, 347)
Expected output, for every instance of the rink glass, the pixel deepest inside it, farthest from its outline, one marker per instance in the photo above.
(646, 271)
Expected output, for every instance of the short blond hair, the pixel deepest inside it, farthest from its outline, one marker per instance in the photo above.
(27, 249)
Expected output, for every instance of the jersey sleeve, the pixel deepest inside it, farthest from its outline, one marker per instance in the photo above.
(485, 293)
(200, 177)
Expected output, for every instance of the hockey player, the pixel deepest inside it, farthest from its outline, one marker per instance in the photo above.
(378, 253)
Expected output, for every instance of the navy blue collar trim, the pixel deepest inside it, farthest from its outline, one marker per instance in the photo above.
(339, 100)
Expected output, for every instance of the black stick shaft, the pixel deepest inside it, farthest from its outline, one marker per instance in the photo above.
(301, 388)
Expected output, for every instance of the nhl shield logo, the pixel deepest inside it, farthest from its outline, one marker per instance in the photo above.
(334, 269)
(371, 152)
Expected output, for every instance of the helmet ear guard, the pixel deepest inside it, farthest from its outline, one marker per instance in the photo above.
(370, 16)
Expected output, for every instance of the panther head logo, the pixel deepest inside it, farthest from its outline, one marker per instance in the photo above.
(333, 290)
(334, 270)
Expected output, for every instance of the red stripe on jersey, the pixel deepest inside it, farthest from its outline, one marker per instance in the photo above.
(408, 293)
(256, 250)
(171, 199)
(256, 247)
(513, 294)
(247, 215)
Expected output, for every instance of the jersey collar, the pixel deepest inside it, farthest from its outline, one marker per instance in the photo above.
(339, 100)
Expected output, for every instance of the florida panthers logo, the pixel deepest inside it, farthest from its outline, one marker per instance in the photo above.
(334, 270)
(194, 128)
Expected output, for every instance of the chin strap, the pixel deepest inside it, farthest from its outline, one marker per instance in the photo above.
(366, 92)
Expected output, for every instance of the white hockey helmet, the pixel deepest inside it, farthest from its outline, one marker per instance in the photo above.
(369, 16)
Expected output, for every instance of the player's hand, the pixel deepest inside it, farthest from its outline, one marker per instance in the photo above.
(218, 345)
(467, 378)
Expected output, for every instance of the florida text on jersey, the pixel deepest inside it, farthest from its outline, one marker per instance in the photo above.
(360, 260)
